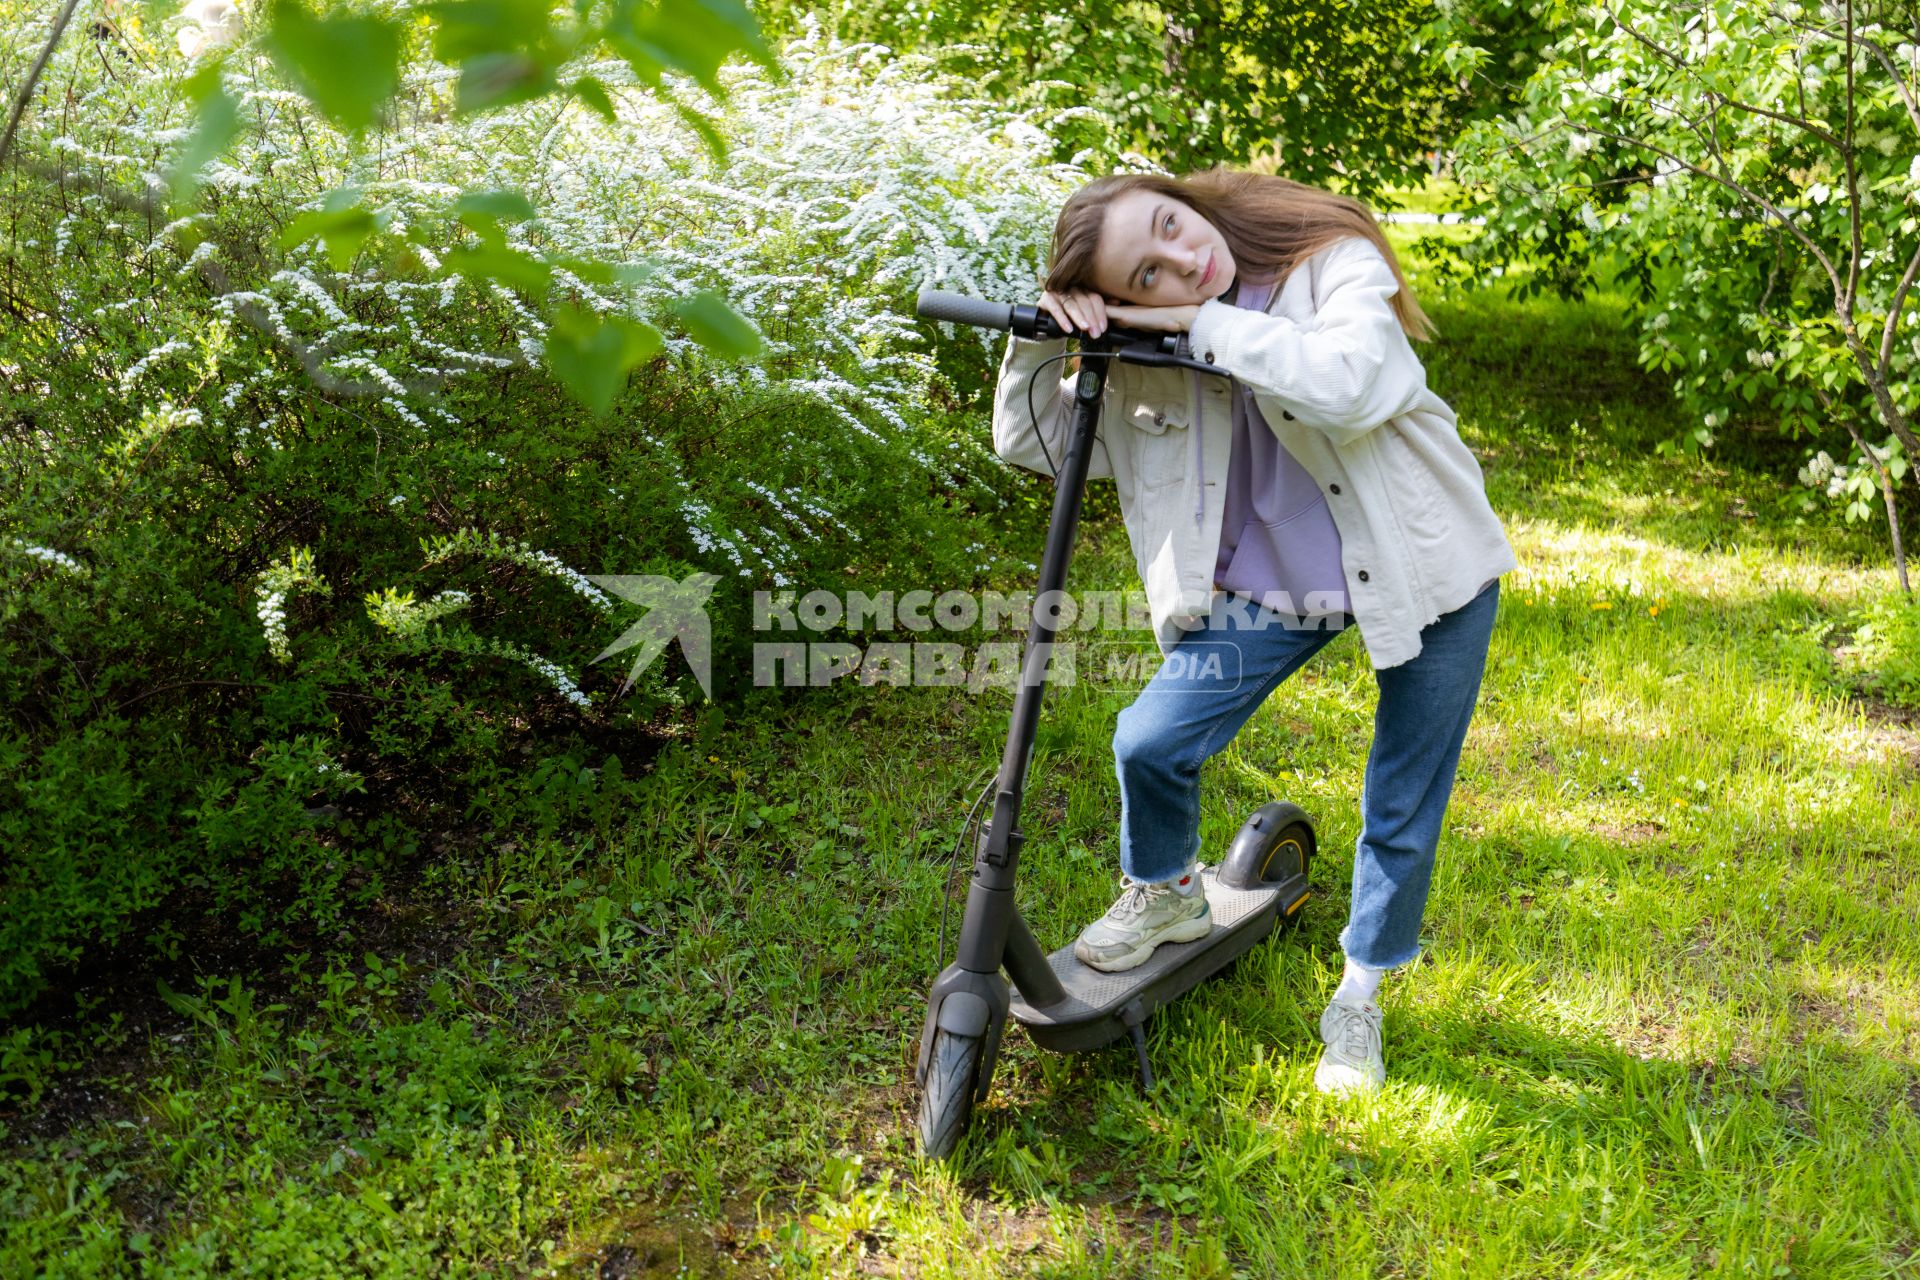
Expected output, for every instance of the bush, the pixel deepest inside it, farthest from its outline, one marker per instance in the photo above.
(1886, 641)
(292, 560)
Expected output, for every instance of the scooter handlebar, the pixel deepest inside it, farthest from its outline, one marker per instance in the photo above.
(1022, 320)
(938, 304)
(1027, 321)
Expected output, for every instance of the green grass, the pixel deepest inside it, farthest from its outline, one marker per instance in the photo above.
(1667, 1022)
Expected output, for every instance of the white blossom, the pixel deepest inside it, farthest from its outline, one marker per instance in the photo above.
(58, 559)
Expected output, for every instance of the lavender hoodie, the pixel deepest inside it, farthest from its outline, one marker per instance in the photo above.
(1276, 533)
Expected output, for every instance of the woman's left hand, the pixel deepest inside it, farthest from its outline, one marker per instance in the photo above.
(1161, 319)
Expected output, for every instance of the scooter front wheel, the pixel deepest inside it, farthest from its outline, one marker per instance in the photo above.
(946, 1101)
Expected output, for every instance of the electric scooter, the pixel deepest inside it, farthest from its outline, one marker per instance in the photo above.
(1065, 1005)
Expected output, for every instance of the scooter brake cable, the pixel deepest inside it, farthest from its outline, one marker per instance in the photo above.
(946, 884)
(1033, 414)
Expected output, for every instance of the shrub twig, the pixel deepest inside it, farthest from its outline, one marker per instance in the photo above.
(33, 77)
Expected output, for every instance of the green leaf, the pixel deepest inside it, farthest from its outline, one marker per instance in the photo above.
(496, 261)
(623, 275)
(467, 29)
(483, 211)
(716, 144)
(717, 326)
(594, 96)
(501, 79)
(591, 355)
(508, 50)
(346, 65)
(216, 121)
(646, 60)
(588, 271)
(342, 228)
(692, 36)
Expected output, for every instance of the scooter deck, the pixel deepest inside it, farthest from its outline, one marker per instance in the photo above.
(1091, 1015)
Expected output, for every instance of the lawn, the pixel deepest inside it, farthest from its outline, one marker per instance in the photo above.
(1667, 1022)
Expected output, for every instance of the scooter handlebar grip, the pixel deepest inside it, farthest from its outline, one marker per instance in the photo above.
(938, 304)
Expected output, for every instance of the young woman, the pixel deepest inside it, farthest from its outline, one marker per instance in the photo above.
(1320, 484)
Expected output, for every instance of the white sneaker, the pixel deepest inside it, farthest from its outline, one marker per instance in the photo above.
(1351, 1061)
(1145, 916)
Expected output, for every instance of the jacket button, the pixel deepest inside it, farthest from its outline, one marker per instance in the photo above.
(1159, 419)
(1286, 415)
(1363, 575)
(1333, 488)
(1209, 357)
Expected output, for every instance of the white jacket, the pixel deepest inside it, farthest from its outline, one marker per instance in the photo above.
(1335, 376)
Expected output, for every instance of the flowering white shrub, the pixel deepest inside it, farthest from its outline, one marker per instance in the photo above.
(58, 559)
(492, 547)
(198, 386)
(283, 579)
(851, 184)
(848, 187)
(1857, 484)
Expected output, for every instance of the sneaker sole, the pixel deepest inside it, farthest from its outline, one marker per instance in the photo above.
(1339, 1083)
(1184, 931)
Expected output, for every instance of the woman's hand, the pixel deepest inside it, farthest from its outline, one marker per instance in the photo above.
(1089, 313)
(1077, 310)
(1159, 319)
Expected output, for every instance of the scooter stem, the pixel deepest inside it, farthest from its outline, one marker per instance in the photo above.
(992, 932)
(985, 929)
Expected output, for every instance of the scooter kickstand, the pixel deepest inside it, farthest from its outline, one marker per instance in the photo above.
(1136, 1024)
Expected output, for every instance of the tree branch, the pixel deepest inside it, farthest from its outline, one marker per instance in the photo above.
(1853, 178)
(33, 77)
(1679, 63)
(1893, 312)
(1751, 197)
(1906, 94)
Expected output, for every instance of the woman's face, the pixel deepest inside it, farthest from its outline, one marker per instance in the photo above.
(1156, 251)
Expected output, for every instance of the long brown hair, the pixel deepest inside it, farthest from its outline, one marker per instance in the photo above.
(1271, 224)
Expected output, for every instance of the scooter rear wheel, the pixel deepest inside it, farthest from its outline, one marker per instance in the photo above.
(1274, 847)
(946, 1101)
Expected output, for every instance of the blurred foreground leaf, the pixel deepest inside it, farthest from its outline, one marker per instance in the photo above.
(216, 121)
(340, 225)
(347, 65)
(592, 354)
(717, 326)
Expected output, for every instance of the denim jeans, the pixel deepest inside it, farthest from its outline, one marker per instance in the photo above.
(1211, 683)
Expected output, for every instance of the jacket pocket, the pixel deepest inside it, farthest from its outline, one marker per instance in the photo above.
(1151, 403)
(1154, 414)
(1411, 486)
(1156, 492)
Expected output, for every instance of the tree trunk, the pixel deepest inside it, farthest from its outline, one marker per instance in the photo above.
(1870, 370)
(1893, 516)
(1886, 490)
